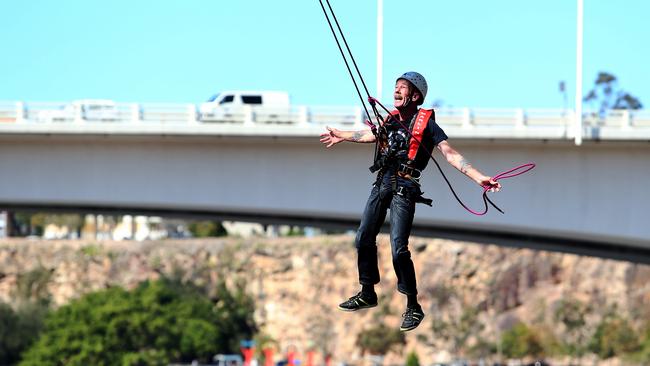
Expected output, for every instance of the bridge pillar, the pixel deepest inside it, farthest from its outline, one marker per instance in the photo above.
(191, 114)
(135, 113)
(303, 116)
(467, 118)
(358, 116)
(20, 112)
(520, 119)
(78, 114)
(626, 120)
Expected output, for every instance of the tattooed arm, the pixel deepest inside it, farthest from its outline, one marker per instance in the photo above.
(333, 136)
(455, 159)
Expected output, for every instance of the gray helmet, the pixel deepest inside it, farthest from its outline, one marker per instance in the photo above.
(417, 80)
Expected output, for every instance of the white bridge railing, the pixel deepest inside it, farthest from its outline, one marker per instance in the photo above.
(616, 124)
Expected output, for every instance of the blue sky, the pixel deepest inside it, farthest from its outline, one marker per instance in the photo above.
(473, 53)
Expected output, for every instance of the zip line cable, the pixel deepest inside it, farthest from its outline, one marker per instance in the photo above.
(356, 86)
(347, 65)
(373, 102)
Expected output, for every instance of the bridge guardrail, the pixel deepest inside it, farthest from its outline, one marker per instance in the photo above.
(8, 111)
(466, 119)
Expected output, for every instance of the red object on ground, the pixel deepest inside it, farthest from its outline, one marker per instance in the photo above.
(268, 356)
(248, 355)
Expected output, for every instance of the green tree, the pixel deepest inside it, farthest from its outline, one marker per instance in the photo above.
(521, 341)
(156, 323)
(204, 229)
(482, 349)
(607, 95)
(27, 223)
(296, 231)
(34, 223)
(571, 314)
(412, 359)
(380, 340)
(614, 337)
(19, 329)
(643, 356)
(234, 312)
(32, 286)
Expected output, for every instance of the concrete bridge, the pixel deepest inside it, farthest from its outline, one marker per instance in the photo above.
(590, 199)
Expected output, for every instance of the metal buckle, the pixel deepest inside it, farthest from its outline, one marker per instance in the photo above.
(416, 179)
(414, 174)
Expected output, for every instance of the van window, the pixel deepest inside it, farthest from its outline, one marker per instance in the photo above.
(251, 99)
(227, 99)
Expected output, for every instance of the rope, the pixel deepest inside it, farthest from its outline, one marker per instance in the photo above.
(373, 101)
(372, 126)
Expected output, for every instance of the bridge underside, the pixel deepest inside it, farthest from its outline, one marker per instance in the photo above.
(610, 249)
(589, 199)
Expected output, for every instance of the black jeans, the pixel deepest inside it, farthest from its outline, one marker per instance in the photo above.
(402, 210)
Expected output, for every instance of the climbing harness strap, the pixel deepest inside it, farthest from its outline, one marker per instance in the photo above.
(421, 122)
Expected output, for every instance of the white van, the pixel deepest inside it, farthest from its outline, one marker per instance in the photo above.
(231, 105)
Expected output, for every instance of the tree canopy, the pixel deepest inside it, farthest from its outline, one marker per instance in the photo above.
(606, 95)
(156, 323)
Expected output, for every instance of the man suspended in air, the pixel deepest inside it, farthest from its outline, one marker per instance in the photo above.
(399, 166)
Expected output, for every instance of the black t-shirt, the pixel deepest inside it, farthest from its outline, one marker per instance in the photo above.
(398, 140)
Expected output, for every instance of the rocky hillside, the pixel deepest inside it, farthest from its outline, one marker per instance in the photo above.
(298, 282)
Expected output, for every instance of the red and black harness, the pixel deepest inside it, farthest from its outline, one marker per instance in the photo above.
(404, 167)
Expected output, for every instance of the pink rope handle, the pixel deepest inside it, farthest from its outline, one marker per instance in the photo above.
(504, 175)
(507, 174)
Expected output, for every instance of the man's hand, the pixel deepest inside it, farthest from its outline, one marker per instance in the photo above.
(489, 182)
(332, 137)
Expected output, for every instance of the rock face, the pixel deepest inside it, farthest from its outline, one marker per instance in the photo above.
(298, 282)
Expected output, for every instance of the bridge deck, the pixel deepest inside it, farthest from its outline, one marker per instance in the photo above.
(590, 198)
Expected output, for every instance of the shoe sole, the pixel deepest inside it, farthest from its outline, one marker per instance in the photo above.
(411, 328)
(407, 329)
(359, 308)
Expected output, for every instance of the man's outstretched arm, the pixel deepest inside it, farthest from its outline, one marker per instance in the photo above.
(455, 159)
(333, 136)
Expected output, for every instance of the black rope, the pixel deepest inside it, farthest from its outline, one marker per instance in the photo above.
(347, 65)
(374, 101)
(356, 86)
(348, 48)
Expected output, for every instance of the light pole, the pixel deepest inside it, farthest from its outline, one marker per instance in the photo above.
(380, 44)
(578, 116)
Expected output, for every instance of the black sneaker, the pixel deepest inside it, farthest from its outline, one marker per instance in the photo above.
(412, 318)
(358, 302)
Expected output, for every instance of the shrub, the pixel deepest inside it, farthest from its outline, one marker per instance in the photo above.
(380, 339)
(520, 341)
(156, 323)
(19, 329)
(412, 359)
(614, 337)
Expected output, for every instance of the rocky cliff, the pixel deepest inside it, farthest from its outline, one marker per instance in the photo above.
(298, 282)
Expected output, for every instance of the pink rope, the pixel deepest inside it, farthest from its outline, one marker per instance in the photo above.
(504, 175)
